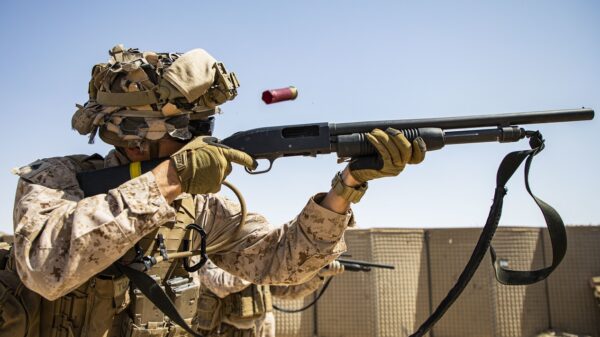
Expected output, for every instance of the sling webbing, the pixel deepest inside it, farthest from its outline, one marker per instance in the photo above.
(555, 225)
(136, 98)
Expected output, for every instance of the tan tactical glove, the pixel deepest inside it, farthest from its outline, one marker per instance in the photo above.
(332, 269)
(395, 151)
(202, 164)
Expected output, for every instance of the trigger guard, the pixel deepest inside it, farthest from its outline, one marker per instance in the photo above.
(271, 161)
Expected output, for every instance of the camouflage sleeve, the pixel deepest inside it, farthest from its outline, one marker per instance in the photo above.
(262, 254)
(63, 239)
(297, 291)
(219, 281)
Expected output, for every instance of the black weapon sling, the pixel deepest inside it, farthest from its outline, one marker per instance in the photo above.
(554, 223)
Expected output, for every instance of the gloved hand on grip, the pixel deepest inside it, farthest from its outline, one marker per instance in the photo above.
(332, 269)
(203, 164)
(395, 151)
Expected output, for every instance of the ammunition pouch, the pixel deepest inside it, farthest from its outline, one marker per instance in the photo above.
(227, 330)
(183, 292)
(252, 302)
(19, 306)
(249, 304)
(209, 312)
(151, 329)
(144, 319)
(89, 310)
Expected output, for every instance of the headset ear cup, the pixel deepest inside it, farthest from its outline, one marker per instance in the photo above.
(83, 120)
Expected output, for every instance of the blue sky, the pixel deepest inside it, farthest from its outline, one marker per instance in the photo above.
(351, 61)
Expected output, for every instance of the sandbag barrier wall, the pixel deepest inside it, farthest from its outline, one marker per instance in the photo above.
(394, 302)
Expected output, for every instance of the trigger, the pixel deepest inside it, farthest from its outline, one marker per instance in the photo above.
(271, 161)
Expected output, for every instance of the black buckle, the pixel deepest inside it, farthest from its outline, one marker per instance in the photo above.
(536, 140)
(160, 240)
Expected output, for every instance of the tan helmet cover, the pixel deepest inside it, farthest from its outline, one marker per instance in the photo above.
(143, 96)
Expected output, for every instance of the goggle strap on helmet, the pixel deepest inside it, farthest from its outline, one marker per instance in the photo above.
(93, 134)
(143, 113)
(154, 150)
(135, 98)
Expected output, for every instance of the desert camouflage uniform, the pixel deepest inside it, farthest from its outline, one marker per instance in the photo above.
(63, 239)
(233, 291)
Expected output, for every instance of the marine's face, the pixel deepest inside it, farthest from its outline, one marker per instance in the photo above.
(166, 147)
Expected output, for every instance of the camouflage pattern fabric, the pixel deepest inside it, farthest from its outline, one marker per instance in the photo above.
(63, 239)
(144, 96)
(222, 284)
(265, 328)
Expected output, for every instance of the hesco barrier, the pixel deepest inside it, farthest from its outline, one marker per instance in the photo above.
(395, 302)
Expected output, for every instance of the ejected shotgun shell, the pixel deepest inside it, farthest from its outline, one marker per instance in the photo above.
(279, 95)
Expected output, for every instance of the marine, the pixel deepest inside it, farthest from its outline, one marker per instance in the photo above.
(64, 275)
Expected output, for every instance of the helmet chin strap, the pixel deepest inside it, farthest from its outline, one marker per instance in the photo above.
(154, 150)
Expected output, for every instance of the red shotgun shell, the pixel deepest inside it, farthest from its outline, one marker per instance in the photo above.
(279, 95)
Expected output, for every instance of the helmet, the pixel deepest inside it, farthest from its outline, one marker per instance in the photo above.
(139, 97)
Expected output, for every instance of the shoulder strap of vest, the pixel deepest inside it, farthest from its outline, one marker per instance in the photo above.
(188, 214)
